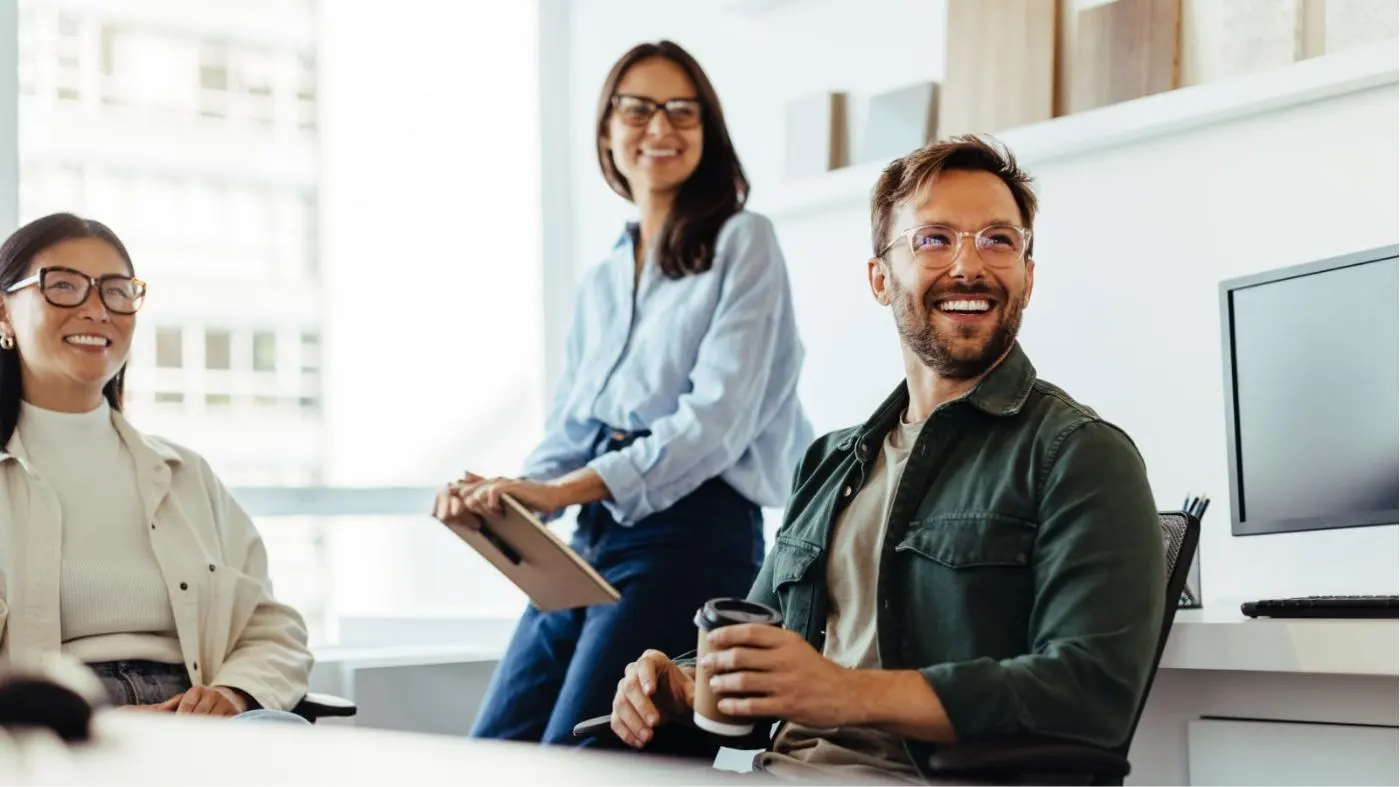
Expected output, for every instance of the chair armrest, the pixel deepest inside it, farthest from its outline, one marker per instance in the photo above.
(1022, 757)
(320, 706)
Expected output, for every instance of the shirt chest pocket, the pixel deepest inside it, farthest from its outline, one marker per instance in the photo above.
(794, 580)
(983, 560)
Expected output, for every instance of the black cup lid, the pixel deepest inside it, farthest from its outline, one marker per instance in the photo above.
(721, 612)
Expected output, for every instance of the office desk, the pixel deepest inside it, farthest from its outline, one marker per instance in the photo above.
(133, 748)
(1241, 701)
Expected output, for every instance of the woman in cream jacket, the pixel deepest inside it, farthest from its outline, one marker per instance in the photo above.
(117, 548)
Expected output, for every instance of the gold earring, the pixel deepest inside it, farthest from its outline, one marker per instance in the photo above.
(7, 342)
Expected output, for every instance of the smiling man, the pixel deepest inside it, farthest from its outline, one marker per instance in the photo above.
(981, 558)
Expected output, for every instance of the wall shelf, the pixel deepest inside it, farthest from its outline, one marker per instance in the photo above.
(1164, 114)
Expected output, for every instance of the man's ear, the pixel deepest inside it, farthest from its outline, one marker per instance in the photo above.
(1030, 281)
(878, 275)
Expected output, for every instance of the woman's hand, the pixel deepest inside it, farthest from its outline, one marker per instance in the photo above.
(450, 506)
(463, 502)
(201, 701)
(542, 498)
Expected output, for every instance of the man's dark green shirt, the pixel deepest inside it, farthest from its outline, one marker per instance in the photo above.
(1022, 571)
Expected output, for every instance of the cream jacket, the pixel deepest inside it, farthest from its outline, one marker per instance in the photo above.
(232, 631)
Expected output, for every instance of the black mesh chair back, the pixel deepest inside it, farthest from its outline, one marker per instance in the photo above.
(1181, 532)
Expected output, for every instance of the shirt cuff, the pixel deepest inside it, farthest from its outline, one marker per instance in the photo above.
(974, 695)
(259, 696)
(625, 486)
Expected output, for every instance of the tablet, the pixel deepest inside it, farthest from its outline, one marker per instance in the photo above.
(551, 574)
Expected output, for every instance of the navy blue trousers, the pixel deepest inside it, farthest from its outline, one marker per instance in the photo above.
(563, 667)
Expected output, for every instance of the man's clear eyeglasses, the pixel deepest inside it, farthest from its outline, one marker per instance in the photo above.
(638, 111)
(69, 289)
(938, 245)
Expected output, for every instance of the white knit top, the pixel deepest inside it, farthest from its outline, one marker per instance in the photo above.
(114, 603)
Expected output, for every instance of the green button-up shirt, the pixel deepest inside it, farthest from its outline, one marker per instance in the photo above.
(1022, 571)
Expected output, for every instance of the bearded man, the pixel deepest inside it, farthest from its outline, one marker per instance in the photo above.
(980, 559)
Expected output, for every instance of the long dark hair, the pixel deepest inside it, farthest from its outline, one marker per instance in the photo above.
(16, 255)
(710, 196)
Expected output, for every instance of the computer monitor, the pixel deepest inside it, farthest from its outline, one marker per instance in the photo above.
(1312, 395)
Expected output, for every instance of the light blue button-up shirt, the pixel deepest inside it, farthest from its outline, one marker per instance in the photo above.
(708, 363)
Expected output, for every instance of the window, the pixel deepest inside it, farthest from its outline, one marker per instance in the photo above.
(213, 68)
(170, 347)
(306, 92)
(310, 353)
(217, 349)
(264, 351)
(199, 138)
(310, 248)
(28, 53)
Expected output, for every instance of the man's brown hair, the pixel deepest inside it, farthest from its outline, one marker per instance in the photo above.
(908, 174)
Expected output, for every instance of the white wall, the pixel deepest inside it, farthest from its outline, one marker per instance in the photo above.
(1132, 244)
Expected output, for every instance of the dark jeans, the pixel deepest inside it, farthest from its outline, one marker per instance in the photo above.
(563, 667)
(141, 682)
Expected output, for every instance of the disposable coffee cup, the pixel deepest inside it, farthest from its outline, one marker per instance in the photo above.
(718, 613)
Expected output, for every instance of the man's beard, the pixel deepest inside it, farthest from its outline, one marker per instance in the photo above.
(934, 345)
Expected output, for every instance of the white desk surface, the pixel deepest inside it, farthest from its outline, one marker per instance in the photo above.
(1216, 638)
(133, 748)
(1221, 638)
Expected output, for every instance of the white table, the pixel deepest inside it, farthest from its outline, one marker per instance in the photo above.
(147, 749)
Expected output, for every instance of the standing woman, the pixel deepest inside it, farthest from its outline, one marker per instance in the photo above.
(677, 414)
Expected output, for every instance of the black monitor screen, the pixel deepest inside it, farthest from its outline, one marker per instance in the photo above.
(1315, 412)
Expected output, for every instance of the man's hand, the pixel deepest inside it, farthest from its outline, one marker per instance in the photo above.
(205, 701)
(783, 676)
(653, 691)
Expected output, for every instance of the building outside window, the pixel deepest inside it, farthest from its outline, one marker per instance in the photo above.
(201, 139)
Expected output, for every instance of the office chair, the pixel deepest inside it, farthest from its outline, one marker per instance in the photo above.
(1028, 760)
(324, 706)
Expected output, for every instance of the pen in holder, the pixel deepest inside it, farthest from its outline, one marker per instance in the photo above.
(1191, 592)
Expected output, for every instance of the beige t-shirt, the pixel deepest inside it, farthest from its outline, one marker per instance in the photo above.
(853, 566)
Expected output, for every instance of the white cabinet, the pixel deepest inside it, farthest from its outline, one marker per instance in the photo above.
(1231, 752)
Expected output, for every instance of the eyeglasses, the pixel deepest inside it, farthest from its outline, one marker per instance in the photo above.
(683, 113)
(938, 245)
(69, 289)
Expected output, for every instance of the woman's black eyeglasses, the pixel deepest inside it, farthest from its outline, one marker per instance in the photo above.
(638, 110)
(69, 289)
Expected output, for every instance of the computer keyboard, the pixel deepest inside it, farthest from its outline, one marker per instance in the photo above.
(1371, 607)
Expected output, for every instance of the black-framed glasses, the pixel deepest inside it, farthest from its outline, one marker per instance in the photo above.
(938, 245)
(683, 113)
(69, 289)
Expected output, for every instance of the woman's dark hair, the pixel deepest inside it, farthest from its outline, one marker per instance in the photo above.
(713, 193)
(16, 255)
